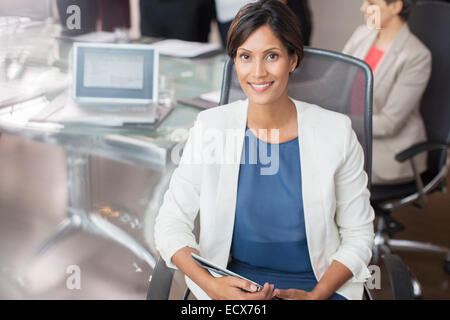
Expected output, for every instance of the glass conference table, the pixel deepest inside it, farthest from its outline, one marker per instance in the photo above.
(35, 70)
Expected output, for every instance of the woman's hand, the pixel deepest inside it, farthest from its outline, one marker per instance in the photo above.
(294, 294)
(233, 288)
(336, 275)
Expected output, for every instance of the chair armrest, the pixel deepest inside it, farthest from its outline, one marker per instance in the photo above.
(418, 148)
(399, 277)
(161, 281)
(409, 154)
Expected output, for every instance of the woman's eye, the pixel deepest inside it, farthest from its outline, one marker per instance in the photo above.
(245, 56)
(272, 56)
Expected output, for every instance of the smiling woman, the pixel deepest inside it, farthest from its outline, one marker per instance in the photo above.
(266, 45)
(303, 231)
(263, 65)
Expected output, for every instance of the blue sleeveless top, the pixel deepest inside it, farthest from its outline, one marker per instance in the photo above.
(269, 239)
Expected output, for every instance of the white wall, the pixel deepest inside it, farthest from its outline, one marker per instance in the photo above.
(334, 22)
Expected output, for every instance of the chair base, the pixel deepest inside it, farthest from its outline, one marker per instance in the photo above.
(384, 244)
(409, 245)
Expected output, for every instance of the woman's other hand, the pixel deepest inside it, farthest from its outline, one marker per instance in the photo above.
(293, 294)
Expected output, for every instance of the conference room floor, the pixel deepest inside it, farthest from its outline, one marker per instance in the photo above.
(33, 201)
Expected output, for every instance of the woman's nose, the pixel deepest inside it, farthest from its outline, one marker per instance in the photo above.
(260, 69)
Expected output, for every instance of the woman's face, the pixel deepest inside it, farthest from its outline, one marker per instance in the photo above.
(387, 10)
(263, 66)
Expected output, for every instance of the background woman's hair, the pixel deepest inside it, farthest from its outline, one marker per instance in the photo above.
(407, 6)
(273, 13)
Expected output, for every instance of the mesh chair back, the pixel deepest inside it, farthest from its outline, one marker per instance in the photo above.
(430, 22)
(331, 80)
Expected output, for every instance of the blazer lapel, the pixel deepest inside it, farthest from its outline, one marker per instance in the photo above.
(312, 194)
(228, 182)
(388, 60)
(364, 49)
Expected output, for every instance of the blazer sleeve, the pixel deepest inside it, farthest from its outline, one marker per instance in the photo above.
(175, 221)
(404, 95)
(354, 214)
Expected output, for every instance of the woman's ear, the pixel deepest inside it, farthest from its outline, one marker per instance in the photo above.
(396, 7)
(294, 61)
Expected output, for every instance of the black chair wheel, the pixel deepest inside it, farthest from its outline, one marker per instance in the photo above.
(394, 227)
(447, 266)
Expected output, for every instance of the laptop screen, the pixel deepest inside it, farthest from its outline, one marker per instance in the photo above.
(115, 73)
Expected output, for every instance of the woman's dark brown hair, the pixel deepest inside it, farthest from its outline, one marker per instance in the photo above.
(406, 9)
(273, 13)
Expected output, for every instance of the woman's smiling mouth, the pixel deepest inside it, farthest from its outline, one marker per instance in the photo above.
(260, 87)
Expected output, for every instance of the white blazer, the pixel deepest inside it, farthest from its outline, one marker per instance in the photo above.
(338, 215)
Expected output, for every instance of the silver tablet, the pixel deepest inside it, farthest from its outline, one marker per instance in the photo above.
(219, 270)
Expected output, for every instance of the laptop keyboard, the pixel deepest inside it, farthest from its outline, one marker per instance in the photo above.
(114, 108)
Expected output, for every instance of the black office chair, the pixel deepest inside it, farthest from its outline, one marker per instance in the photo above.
(329, 79)
(430, 22)
(332, 80)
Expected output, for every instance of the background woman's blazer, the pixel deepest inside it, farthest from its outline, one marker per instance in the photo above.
(338, 215)
(399, 82)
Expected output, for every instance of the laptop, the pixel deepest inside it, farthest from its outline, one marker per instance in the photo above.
(113, 85)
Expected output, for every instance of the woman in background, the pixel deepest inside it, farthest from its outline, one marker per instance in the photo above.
(401, 65)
